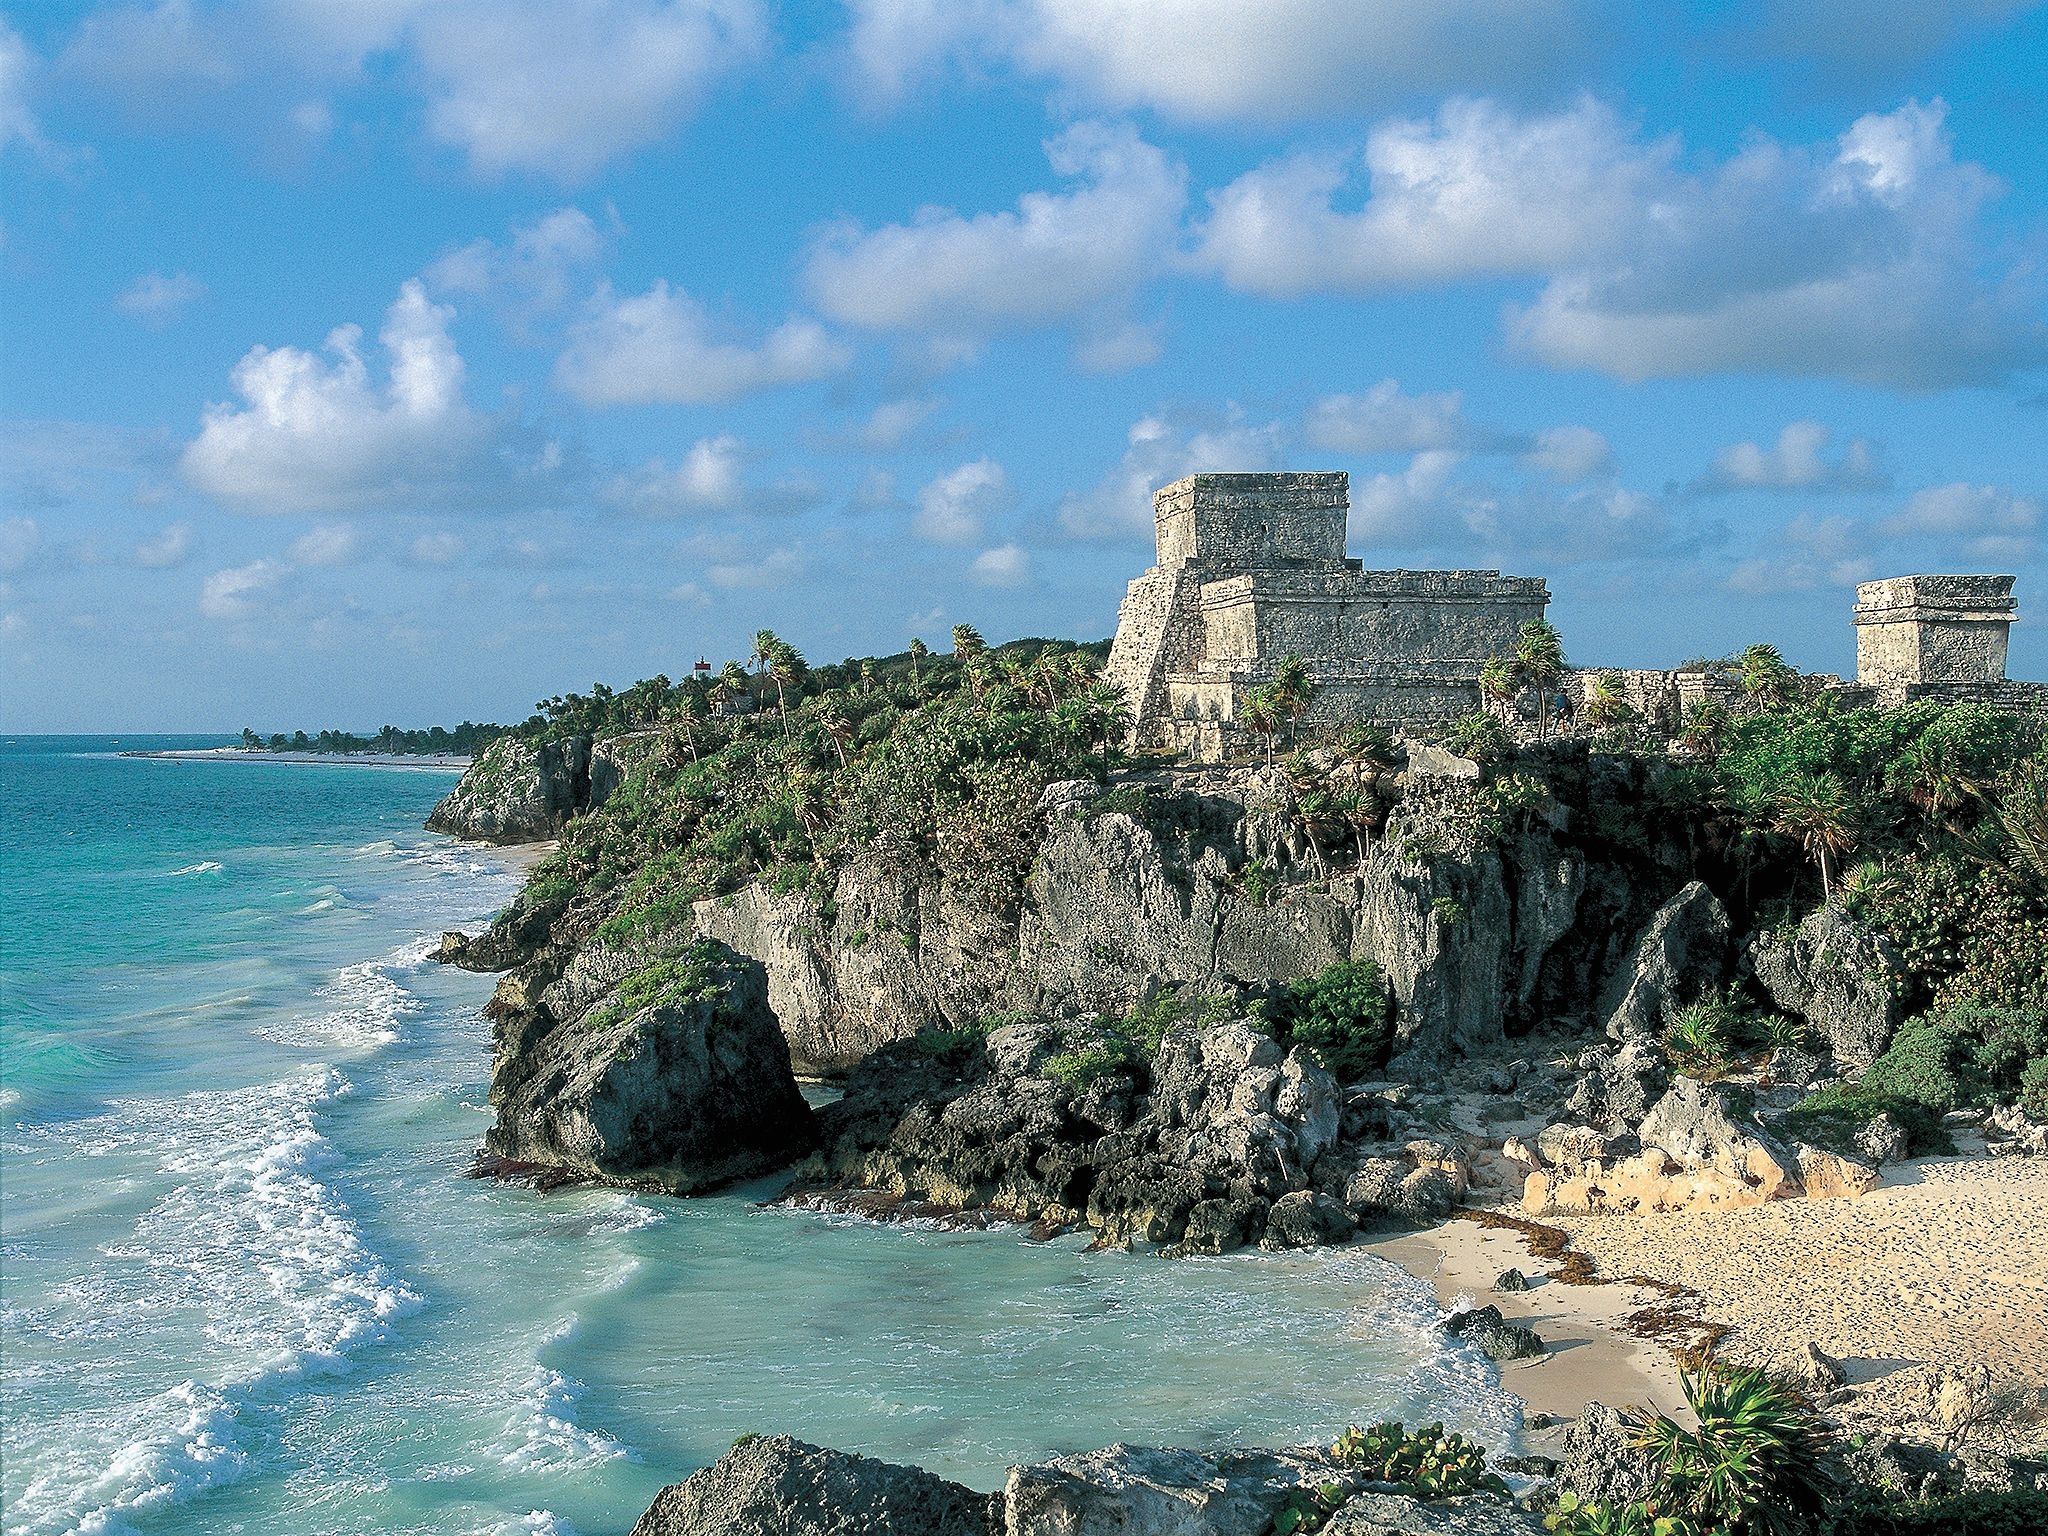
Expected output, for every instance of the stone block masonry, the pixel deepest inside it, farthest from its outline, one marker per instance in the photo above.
(1932, 629)
(1252, 568)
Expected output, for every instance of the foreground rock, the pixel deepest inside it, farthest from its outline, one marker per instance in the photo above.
(781, 1487)
(1681, 955)
(675, 1078)
(776, 1486)
(521, 791)
(1837, 975)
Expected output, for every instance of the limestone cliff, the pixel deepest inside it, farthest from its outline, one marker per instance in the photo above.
(1482, 919)
(521, 791)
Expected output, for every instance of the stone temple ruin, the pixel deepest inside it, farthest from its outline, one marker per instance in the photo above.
(1253, 567)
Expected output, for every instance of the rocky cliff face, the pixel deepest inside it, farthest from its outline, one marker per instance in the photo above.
(525, 792)
(1478, 932)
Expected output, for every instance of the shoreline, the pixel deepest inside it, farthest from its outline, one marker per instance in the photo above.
(1590, 1354)
(430, 762)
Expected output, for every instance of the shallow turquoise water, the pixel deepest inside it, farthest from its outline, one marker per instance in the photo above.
(245, 1288)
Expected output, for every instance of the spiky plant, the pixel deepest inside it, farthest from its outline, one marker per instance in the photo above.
(1753, 1467)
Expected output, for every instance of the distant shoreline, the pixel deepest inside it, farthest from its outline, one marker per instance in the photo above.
(430, 761)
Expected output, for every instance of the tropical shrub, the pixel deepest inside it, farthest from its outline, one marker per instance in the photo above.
(1429, 1462)
(1343, 1016)
(1831, 1117)
(1703, 1036)
(2020, 1512)
(1479, 736)
(1574, 1516)
(1925, 1064)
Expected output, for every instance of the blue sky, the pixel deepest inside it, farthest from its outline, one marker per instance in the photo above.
(399, 361)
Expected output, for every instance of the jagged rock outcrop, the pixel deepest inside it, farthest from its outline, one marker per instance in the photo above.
(776, 1486)
(1617, 1087)
(1682, 954)
(1493, 1335)
(673, 1076)
(520, 791)
(1602, 1462)
(1196, 1151)
(1839, 976)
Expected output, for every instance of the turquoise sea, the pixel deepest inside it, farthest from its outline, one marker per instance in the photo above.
(246, 1288)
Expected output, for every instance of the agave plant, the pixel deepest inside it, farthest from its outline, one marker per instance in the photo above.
(1754, 1463)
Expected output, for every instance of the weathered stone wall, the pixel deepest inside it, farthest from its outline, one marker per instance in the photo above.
(1233, 521)
(1932, 629)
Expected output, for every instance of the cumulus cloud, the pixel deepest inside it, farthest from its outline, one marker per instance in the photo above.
(663, 347)
(1856, 259)
(233, 593)
(157, 300)
(166, 549)
(532, 274)
(1006, 565)
(1059, 256)
(1797, 462)
(776, 568)
(1983, 522)
(954, 507)
(1220, 61)
(1384, 420)
(1570, 455)
(19, 126)
(328, 544)
(888, 427)
(1160, 449)
(1476, 191)
(438, 548)
(1408, 507)
(315, 434)
(530, 86)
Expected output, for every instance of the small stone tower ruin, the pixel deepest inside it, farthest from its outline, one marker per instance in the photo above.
(1253, 567)
(1916, 633)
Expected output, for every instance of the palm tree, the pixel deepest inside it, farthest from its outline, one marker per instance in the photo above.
(867, 677)
(837, 728)
(1814, 807)
(1499, 683)
(765, 641)
(1606, 704)
(1705, 725)
(1539, 658)
(786, 666)
(1293, 690)
(1768, 681)
(918, 651)
(967, 642)
(1108, 716)
(689, 709)
(1261, 713)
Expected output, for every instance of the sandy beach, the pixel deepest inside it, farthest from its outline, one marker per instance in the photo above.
(439, 762)
(1942, 1263)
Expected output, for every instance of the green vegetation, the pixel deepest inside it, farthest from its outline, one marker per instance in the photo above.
(465, 740)
(2021, 1512)
(1704, 1036)
(691, 975)
(1429, 1462)
(1834, 1115)
(1342, 1015)
(1479, 736)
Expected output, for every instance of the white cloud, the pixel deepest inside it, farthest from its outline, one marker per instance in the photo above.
(559, 89)
(167, 549)
(531, 275)
(1061, 255)
(661, 347)
(954, 507)
(1404, 508)
(1217, 61)
(1981, 522)
(711, 478)
(1118, 347)
(18, 124)
(231, 594)
(1570, 455)
(1384, 420)
(328, 544)
(1796, 463)
(892, 424)
(1007, 565)
(1856, 259)
(777, 568)
(1159, 450)
(156, 300)
(20, 538)
(1475, 192)
(314, 434)
(437, 548)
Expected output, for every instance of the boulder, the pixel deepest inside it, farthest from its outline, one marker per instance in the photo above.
(1617, 1087)
(1600, 1461)
(1825, 1175)
(1881, 1140)
(1139, 1491)
(1681, 955)
(1790, 1067)
(1493, 1335)
(1511, 1280)
(1388, 1514)
(1811, 1370)
(1705, 1127)
(1838, 975)
(520, 791)
(677, 1079)
(1306, 1219)
(777, 1486)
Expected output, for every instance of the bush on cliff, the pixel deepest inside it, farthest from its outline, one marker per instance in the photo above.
(1342, 1015)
